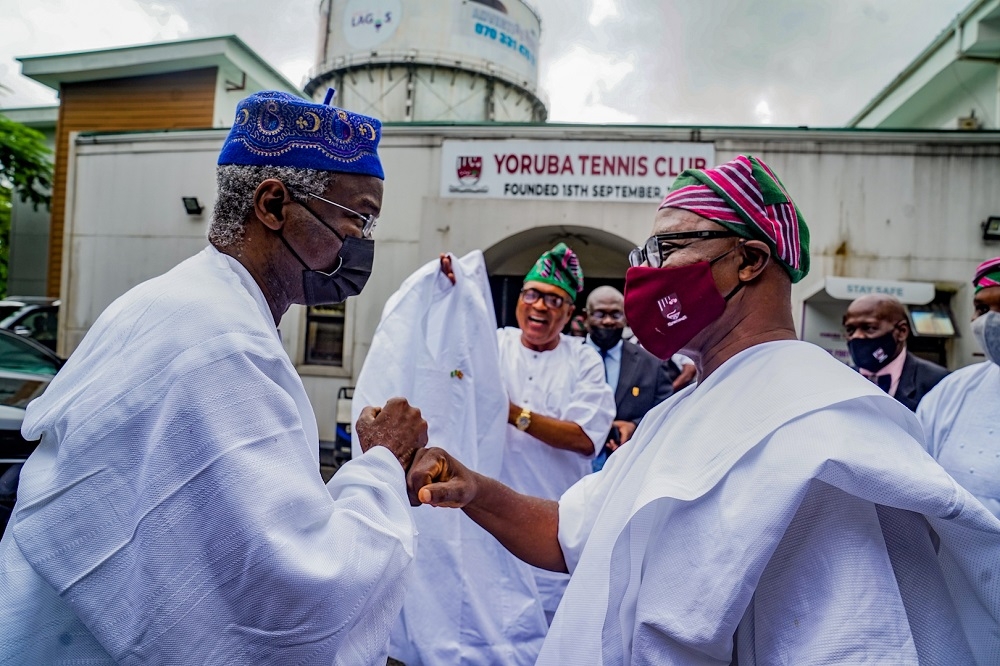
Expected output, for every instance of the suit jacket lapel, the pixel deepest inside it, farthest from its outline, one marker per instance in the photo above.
(626, 374)
(907, 379)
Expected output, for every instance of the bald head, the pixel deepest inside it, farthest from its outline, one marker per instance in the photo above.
(888, 308)
(604, 295)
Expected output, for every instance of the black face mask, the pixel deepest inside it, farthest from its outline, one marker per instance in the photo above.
(349, 277)
(872, 354)
(605, 338)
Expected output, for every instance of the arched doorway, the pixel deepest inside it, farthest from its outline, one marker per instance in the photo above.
(603, 257)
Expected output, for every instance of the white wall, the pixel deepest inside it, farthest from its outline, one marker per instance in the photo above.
(878, 205)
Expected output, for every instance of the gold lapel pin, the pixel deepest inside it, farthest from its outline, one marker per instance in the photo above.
(635, 391)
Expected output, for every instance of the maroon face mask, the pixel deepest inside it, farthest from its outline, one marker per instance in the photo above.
(666, 307)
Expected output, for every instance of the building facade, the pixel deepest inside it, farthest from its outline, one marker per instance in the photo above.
(888, 211)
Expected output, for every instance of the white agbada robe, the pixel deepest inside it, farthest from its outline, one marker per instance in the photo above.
(787, 501)
(961, 420)
(468, 600)
(566, 383)
(174, 511)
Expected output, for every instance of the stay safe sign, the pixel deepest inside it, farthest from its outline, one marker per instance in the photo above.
(567, 170)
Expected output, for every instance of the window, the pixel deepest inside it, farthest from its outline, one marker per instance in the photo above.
(933, 328)
(23, 356)
(933, 319)
(325, 335)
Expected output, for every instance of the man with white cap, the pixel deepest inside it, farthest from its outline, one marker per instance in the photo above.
(781, 511)
(174, 511)
(961, 416)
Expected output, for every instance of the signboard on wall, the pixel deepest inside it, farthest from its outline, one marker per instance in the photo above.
(567, 170)
(848, 289)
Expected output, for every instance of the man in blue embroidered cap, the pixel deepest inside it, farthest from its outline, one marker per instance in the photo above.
(174, 511)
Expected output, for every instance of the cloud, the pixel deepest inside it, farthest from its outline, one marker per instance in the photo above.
(56, 26)
(709, 63)
(763, 112)
(577, 84)
(651, 61)
(284, 34)
(601, 11)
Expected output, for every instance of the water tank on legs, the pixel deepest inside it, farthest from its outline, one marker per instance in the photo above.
(431, 60)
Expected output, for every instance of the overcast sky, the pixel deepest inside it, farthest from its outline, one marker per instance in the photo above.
(742, 62)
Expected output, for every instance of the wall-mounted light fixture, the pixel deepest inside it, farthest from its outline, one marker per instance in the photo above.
(191, 205)
(991, 229)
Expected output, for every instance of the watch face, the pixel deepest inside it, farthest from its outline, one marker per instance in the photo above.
(523, 421)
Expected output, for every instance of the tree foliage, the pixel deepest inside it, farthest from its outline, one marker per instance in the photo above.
(25, 172)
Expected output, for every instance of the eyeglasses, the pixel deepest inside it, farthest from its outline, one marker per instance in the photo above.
(615, 315)
(369, 220)
(659, 247)
(553, 301)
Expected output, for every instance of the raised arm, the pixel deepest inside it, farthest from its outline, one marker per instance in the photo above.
(526, 526)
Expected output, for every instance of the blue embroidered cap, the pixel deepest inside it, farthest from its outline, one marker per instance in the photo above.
(275, 128)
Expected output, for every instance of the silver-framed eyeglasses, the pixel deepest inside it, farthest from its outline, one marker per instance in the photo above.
(657, 248)
(369, 220)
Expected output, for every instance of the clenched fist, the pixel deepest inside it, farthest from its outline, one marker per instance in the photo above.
(438, 479)
(397, 426)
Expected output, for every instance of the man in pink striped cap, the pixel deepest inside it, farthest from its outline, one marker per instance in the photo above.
(961, 417)
(781, 510)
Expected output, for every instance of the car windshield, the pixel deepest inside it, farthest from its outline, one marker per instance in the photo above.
(7, 310)
(18, 391)
(18, 355)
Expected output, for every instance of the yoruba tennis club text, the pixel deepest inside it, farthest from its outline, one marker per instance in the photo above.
(639, 166)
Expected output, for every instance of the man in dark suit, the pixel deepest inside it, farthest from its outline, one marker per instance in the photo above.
(641, 380)
(877, 327)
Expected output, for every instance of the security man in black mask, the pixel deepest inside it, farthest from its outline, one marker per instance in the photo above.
(641, 380)
(877, 327)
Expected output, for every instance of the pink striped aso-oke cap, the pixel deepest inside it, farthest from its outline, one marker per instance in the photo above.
(987, 274)
(746, 197)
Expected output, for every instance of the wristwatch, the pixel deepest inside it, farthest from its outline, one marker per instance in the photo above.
(523, 419)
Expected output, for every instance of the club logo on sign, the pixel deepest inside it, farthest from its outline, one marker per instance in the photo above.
(468, 169)
(670, 308)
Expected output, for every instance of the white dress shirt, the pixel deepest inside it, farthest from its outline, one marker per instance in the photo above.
(612, 362)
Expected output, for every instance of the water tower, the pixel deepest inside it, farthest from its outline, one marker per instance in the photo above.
(431, 60)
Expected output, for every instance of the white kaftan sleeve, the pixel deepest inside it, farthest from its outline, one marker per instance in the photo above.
(592, 405)
(936, 413)
(578, 510)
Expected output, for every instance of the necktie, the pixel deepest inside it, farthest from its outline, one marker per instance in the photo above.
(604, 359)
(884, 382)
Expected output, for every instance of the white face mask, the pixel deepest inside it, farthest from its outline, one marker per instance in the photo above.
(986, 328)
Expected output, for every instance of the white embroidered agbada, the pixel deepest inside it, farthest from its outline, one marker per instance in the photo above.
(174, 511)
(961, 420)
(468, 600)
(785, 501)
(566, 383)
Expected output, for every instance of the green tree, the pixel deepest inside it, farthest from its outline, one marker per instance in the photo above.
(25, 171)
